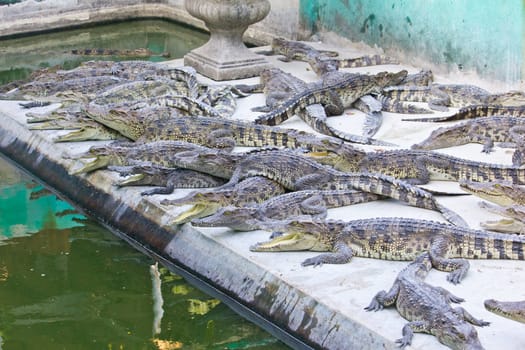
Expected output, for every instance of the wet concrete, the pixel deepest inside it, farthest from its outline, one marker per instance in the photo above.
(318, 307)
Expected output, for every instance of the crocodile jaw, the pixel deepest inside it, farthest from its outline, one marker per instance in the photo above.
(197, 211)
(131, 180)
(513, 310)
(287, 242)
(97, 163)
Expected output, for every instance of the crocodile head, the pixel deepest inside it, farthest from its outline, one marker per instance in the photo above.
(445, 137)
(126, 122)
(454, 332)
(346, 159)
(148, 175)
(197, 211)
(203, 204)
(213, 162)
(236, 218)
(515, 310)
(500, 192)
(296, 235)
(387, 78)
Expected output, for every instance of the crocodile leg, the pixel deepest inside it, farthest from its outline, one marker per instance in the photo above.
(384, 299)
(449, 297)
(464, 314)
(341, 254)
(458, 268)
(314, 206)
(408, 332)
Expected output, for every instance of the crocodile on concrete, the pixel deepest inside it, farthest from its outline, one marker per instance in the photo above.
(313, 203)
(335, 96)
(419, 166)
(159, 153)
(392, 238)
(475, 111)
(485, 130)
(167, 179)
(248, 192)
(428, 309)
(297, 172)
(295, 50)
(515, 310)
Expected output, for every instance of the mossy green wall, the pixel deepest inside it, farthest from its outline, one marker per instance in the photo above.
(481, 35)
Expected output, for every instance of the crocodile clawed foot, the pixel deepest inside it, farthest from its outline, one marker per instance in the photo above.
(315, 261)
(456, 276)
(374, 306)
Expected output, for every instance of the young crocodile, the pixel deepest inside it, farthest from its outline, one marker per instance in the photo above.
(428, 309)
(278, 85)
(139, 52)
(419, 166)
(167, 179)
(249, 192)
(334, 95)
(515, 310)
(159, 153)
(295, 50)
(297, 172)
(499, 192)
(475, 111)
(393, 239)
(313, 203)
(486, 131)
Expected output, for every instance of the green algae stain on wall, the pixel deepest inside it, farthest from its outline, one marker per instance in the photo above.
(481, 35)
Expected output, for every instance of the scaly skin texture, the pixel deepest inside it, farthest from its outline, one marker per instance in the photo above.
(297, 172)
(486, 131)
(419, 167)
(476, 111)
(158, 153)
(140, 52)
(313, 203)
(334, 95)
(394, 239)
(499, 192)
(278, 85)
(295, 50)
(166, 178)
(515, 310)
(249, 192)
(428, 309)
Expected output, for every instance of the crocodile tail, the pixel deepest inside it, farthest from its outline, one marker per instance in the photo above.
(451, 216)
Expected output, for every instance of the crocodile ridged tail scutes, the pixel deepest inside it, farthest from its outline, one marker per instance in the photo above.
(475, 111)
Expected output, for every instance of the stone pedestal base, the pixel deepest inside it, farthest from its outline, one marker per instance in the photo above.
(244, 65)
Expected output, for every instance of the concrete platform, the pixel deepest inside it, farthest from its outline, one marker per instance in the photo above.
(306, 307)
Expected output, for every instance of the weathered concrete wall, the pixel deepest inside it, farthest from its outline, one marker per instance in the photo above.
(464, 35)
(32, 16)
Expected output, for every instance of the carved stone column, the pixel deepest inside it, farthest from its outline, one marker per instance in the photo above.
(224, 56)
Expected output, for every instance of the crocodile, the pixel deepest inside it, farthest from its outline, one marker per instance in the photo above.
(55, 91)
(517, 134)
(475, 111)
(335, 95)
(298, 172)
(295, 50)
(159, 153)
(246, 193)
(515, 310)
(428, 309)
(313, 203)
(215, 132)
(277, 85)
(499, 192)
(419, 166)
(391, 238)
(485, 130)
(513, 222)
(439, 96)
(167, 179)
(139, 52)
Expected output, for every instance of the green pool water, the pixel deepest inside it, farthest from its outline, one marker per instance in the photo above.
(68, 283)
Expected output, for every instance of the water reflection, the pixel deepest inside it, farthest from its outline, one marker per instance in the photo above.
(68, 283)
